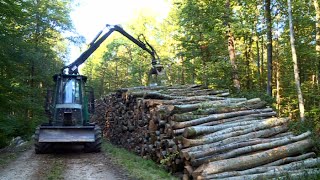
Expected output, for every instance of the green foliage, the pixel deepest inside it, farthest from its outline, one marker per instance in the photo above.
(169, 158)
(31, 48)
(299, 127)
(254, 94)
(192, 44)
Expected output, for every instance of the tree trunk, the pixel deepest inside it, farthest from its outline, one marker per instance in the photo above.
(317, 9)
(277, 75)
(295, 64)
(269, 45)
(182, 70)
(258, 58)
(231, 49)
(262, 79)
(257, 13)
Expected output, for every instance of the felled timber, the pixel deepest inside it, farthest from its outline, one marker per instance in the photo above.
(204, 134)
(253, 160)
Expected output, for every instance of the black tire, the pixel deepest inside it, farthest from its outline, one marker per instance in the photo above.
(41, 148)
(96, 145)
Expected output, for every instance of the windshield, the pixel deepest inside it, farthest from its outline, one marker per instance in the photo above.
(70, 91)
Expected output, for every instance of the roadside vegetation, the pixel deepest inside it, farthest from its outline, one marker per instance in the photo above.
(137, 167)
(10, 153)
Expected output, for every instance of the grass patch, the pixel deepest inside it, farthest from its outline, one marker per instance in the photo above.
(136, 166)
(9, 154)
(56, 170)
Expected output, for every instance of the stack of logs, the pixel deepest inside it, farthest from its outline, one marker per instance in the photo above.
(205, 134)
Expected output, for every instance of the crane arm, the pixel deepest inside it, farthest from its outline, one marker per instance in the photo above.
(73, 67)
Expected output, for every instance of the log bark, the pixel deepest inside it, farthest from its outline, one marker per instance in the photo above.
(291, 159)
(219, 149)
(199, 130)
(213, 138)
(292, 174)
(242, 138)
(154, 95)
(251, 149)
(185, 117)
(216, 117)
(208, 104)
(250, 161)
(259, 125)
(245, 105)
(309, 163)
(241, 118)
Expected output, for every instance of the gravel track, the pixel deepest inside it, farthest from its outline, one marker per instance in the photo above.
(74, 164)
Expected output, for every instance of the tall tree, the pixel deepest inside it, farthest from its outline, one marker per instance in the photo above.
(231, 48)
(317, 10)
(31, 50)
(295, 63)
(269, 45)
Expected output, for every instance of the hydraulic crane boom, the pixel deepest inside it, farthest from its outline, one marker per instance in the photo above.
(73, 67)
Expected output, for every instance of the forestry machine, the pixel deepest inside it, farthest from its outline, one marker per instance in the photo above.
(70, 103)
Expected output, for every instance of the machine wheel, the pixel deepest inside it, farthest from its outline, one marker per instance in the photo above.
(40, 148)
(96, 145)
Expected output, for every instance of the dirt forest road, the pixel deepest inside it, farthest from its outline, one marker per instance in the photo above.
(66, 164)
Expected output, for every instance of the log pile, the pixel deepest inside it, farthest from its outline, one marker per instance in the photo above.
(205, 134)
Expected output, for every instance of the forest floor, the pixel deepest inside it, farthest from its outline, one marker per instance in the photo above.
(66, 163)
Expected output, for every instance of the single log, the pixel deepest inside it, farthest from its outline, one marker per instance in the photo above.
(197, 92)
(267, 132)
(140, 88)
(199, 130)
(254, 126)
(219, 149)
(251, 149)
(185, 117)
(222, 121)
(253, 160)
(261, 115)
(291, 174)
(229, 120)
(284, 134)
(245, 105)
(213, 138)
(153, 95)
(230, 107)
(178, 109)
(309, 163)
(215, 117)
(291, 159)
(177, 132)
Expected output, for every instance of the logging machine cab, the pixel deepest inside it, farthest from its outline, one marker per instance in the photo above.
(70, 103)
(71, 94)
